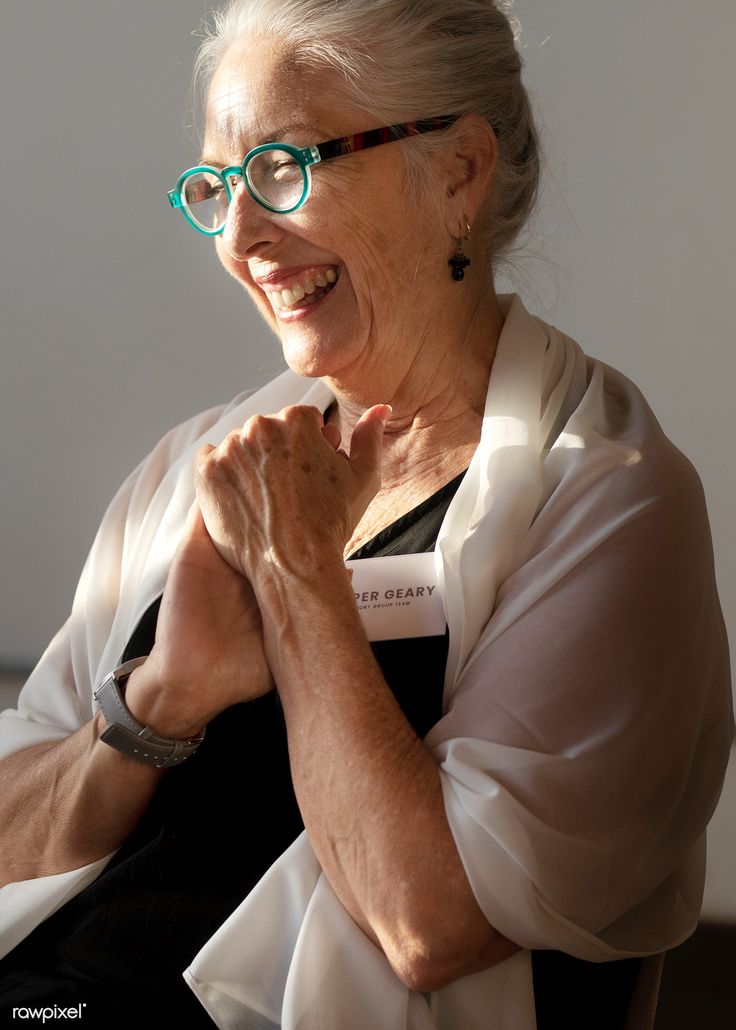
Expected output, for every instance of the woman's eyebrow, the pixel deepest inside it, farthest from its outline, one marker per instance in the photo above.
(211, 162)
(275, 136)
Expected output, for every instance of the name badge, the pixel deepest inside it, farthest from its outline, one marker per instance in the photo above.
(397, 596)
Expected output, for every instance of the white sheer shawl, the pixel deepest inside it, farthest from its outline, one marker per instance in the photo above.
(587, 705)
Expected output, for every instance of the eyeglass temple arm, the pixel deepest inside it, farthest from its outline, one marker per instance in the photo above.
(387, 134)
(174, 198)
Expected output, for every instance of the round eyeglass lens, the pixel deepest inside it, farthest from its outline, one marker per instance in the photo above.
(277, 178)
(205, 198)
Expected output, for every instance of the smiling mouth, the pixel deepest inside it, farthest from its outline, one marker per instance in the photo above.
(303, 290)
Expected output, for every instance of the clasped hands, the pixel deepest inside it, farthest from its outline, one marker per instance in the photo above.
(276, 503)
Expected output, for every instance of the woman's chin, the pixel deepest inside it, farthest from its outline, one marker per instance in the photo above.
(312, 356)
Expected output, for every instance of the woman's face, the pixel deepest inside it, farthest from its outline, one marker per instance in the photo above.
(365, 254)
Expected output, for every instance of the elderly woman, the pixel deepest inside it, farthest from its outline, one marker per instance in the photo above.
(503, 725)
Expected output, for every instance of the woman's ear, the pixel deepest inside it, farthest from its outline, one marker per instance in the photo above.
(469, 165)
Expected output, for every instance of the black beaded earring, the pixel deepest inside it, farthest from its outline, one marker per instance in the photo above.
(459, 261)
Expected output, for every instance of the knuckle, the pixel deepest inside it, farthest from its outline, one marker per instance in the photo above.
(293, 413)
(256, 426)
(210, 468)
(203, 466)
(230, 446)
(199, 465)
(302, 413)
(310, 411)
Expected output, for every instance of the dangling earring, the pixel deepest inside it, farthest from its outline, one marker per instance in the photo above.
(458, 260)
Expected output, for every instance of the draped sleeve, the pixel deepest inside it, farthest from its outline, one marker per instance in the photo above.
(586, 742)
(125, 571)
(57, 698)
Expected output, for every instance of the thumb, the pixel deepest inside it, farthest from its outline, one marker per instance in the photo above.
(200, 455)
(365, 443)
(194, 526)
(198, 466)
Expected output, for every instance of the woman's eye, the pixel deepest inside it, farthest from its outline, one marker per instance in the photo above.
(212, 192)
(285, 169)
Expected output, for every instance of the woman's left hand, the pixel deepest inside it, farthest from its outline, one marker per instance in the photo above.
(279, 496)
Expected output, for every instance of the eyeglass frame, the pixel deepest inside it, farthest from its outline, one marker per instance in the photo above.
(305, 157)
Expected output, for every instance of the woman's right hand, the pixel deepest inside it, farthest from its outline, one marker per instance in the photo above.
(208, 652)
(70, 802)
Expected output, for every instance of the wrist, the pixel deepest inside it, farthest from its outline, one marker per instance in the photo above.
(306, 621)
(152, 702)
(283, 593)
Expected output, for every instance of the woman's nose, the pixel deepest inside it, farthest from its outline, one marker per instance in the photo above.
(247, 225)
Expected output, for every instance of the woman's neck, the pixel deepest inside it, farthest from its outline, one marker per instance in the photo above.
(438, 399)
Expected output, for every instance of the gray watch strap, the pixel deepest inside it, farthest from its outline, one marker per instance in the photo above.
(127, 735)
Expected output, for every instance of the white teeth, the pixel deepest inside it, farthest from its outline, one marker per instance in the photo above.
(282, 299)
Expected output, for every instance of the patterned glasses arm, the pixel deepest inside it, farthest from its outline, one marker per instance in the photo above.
(377, 137)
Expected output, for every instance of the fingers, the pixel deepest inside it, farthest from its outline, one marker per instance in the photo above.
(298, 411)
(198, 462)
(195, 542)
(365, 444)
(193, 519)
(332, 435)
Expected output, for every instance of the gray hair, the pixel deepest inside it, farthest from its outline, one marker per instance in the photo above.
(403, 60)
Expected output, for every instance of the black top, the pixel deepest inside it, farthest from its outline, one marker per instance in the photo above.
(214, 826)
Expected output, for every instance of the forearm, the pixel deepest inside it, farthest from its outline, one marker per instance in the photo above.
(68, 803)
(370, 793)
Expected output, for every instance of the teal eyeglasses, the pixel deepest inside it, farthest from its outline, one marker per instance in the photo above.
(277, 175)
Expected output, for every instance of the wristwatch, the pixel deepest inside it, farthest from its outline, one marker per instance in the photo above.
(127, 735)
